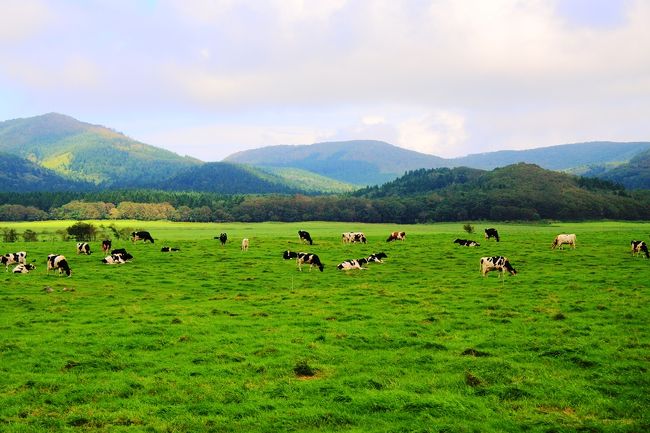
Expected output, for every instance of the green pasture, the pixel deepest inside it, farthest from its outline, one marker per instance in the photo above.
(213, 339)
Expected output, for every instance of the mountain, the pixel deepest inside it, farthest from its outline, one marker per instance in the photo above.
(85, 152)
(360, 162)
(376, 162)
(226, 178)
(561, 157)
(18, 174)
(633, 175)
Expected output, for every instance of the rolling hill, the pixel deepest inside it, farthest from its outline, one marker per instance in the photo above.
(634, 174)
(18, 174)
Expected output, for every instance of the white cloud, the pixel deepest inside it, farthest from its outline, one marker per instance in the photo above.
(21, 19)
(441, 133)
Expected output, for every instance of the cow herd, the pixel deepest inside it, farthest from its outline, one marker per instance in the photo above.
(501, 264)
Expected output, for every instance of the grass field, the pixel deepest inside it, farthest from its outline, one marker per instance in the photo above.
(214, 339)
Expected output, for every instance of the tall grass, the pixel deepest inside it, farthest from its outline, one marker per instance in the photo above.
(211, 338)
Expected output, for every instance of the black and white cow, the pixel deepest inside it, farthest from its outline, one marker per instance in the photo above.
(353, 237)
(639, 247)
(106, 245)
(57, 261)
(169, 249)
(302, 258)
(123, 253)
(564, 239)
(352, 264)
(377, 257)
(396, 236)
(83, 248)
(141, 236)
(114, 259)
(23, 268)
(496, 263)
(305, 236)
(492, 233)
(223, 238)
(467, 243)
(11, 258)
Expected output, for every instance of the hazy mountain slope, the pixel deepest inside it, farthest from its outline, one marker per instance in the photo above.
(82, 151)
(561, 157)
(19, 175)
(361, 162)
(633, 175)
(376, 162)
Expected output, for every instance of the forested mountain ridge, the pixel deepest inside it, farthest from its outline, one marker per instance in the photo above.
(18, 174)
(633, 175)
(92, 153)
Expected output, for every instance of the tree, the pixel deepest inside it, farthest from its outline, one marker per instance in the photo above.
(9, 235)
(30, 236)
(82, 231)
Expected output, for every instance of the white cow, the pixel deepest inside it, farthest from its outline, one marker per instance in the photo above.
(564, 239)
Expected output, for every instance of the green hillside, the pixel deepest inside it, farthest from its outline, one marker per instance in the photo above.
(226, 178)
(633, 175)
(93, 153)
(20, 175)
(309, 181)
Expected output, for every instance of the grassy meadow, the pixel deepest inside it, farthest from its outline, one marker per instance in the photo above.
(214, 339)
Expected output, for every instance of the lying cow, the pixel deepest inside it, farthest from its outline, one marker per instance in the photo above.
(492, 233)
(302, 258)
(352, 264)
(496, 263)
(122, 252)
(467, 243)
(83, 248)
(564, 239)
(168, 249)
(114, 259)
(11, 258)
(396, 236)
(639, 247)
(57, 261)
(23, 268)
(377, 257)
(106, 245)
(305, 237)
(141, 236)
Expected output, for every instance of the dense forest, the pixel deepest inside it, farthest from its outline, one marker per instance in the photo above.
(523, 192)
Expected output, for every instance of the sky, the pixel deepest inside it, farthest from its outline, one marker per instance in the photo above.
(208, 78)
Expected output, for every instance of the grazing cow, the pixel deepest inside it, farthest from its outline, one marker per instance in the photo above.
(396, 236)
(353, 237)
(83, 248)
(492, 233)
(244, 244)
(11, 258)
(23, 268)
(467, 243)
(141, 236)
(305, 236)
(302, 258)
(168, 249)
(564, 239)
(352, 264)
(114, 259)
(496, 263)
(639, 247)
(122, 252)
(106, 245)
(57, 261)
(223, 237)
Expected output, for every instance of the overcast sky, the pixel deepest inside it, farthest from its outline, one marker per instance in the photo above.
(208, 78)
